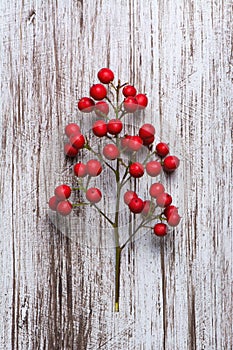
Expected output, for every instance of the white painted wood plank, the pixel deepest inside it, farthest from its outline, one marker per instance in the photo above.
(57, 290)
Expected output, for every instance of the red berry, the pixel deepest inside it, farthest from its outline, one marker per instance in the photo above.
(62, 192)
(99, 128)
(111, 151)
(136, 205)
(101, 108)
(125, 142)
(148, 141)
(53, 202)
(98, 92)
(78, 141)
(148, 207)
(129, 195)
(173, 219)
(86, 105)
(162, 149)
(114, 126)
(160, 229)
(72, 129)
(163, 200)
(130, 104)
(142, 101)
(171, 163)
(135, 143)
(93, 167)
(70, 151)
(129, 90)
(153, 168)
(105, 75)
(156, 189)
(80, 169)
(93, 195)
(136, 170)
(64, 208)
(170, 210)
(146, 131)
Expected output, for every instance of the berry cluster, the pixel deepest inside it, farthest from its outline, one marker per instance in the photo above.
(110, 154)
(59, 203)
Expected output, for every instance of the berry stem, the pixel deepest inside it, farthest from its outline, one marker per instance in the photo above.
(98, 155)
(117, 277)
(111, 83)
(116, 234)
(84, 189)
(81, 186)
(103, 115)
(103, 214)
(149, 155)
(108, 99)
(123, 183)
(143, 222)
(123, 85)
(121, 161)
(79, 204)
(117, 99)
(122, 114)
(133, 234)
(110, 138)
(102, 159)
(125, 174)
(88, 181)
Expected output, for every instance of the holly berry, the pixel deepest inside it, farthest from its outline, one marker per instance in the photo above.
(156, 189)
(98, 92)
(72, 129)
(136, 170)
(148, 208)
(77, 141)
(114, 126)
(111, 151)
(80, 169)
(129, 195)
(62, 192)
(129, 90)
(148, 141)
(171, 163)
(86, 105)
(53, 202)
(130, 104)
(163, 200)
(64, 208)
(162, 149)
(142, 101)
(101, 108)
(136, 205)
(70, 151)
(174, 219)
(170, 210)
(99, 128)
(93, 195)
(153, 168)
(160, 229)
(135, 143)
(105, 75)
(93, 167)
(146, 131)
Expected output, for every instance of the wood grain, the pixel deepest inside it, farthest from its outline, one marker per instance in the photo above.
(58, 283)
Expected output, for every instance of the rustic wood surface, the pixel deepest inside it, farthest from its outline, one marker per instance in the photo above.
(57, 285)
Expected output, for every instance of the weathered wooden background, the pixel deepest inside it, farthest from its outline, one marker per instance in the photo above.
(56, 291)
